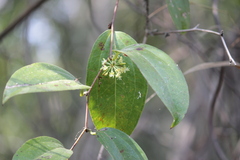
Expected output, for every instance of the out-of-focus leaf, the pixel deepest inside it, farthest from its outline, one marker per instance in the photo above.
(180, 13)
(164, 77)
(210, 65)
(115, 103)
(42, 148)
(119, 145)
(40, 77)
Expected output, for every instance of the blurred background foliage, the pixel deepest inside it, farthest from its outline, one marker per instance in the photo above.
(62, 32)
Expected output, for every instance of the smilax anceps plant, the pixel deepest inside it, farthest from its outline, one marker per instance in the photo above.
(118, 74)
(117, 102)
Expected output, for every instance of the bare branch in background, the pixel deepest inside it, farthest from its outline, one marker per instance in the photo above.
(134, 7)
(157, 11)
(21, 18)
(146, 4)
(112, 26)
(208, 66)
(99, 157)
(150, 97)
(216, 94)
(95, 24)
(213, 137)
(231, 60)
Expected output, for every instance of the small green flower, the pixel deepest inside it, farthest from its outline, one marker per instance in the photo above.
(114, 67)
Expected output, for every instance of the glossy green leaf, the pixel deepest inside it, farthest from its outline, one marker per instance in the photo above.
(119, 145)
(164, 77)
(42, 148)
(115, 103)
(180, 13)
(40, 77)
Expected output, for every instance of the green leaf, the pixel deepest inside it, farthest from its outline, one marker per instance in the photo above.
(180, 13)
(119, 145)
(164, 77)
(40, 77)
(42, 148)
(115, 103)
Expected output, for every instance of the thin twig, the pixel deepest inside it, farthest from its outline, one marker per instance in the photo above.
(215, 14)
(88, 95)
(231, 60)
(85, 128)
(86, 113)
(185, 30)
(216, 145)
(157, 11)
(134, 7)
(99, 157)
(95, 24)
(146, 3)
(22, 17)
(112, 26)
(211, 115)
(94, 81)
(150, 97)
(209, 65)
(79, 137)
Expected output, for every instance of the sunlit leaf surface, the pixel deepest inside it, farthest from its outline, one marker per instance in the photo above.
(115, 103)
(40, 77)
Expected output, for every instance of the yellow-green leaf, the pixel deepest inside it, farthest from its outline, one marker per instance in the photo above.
(115, 103)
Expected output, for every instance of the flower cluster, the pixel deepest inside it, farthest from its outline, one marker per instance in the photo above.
(114, 67)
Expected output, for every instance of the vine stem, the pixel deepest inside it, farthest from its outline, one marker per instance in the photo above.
(85, 128)
(112, 26)
(110, 53)
(99, 157)
(146, 3)
(88, 93)
(217, 147)
(231, 60)
(21, 18)
(79, 137)
(213, 137)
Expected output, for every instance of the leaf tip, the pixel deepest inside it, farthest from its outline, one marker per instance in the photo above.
(175, 122)
(4, 100)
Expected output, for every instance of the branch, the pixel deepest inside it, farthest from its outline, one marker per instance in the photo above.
(231, 60)
(150, 97)
(99, 157)
(79, 137)
(95, 24)
(22, 17)
(134, 7)
(112, 26)
(146, 3)
(211, 115)
(216, 145)
(209, 65)
(157, 11)
(85, 128)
